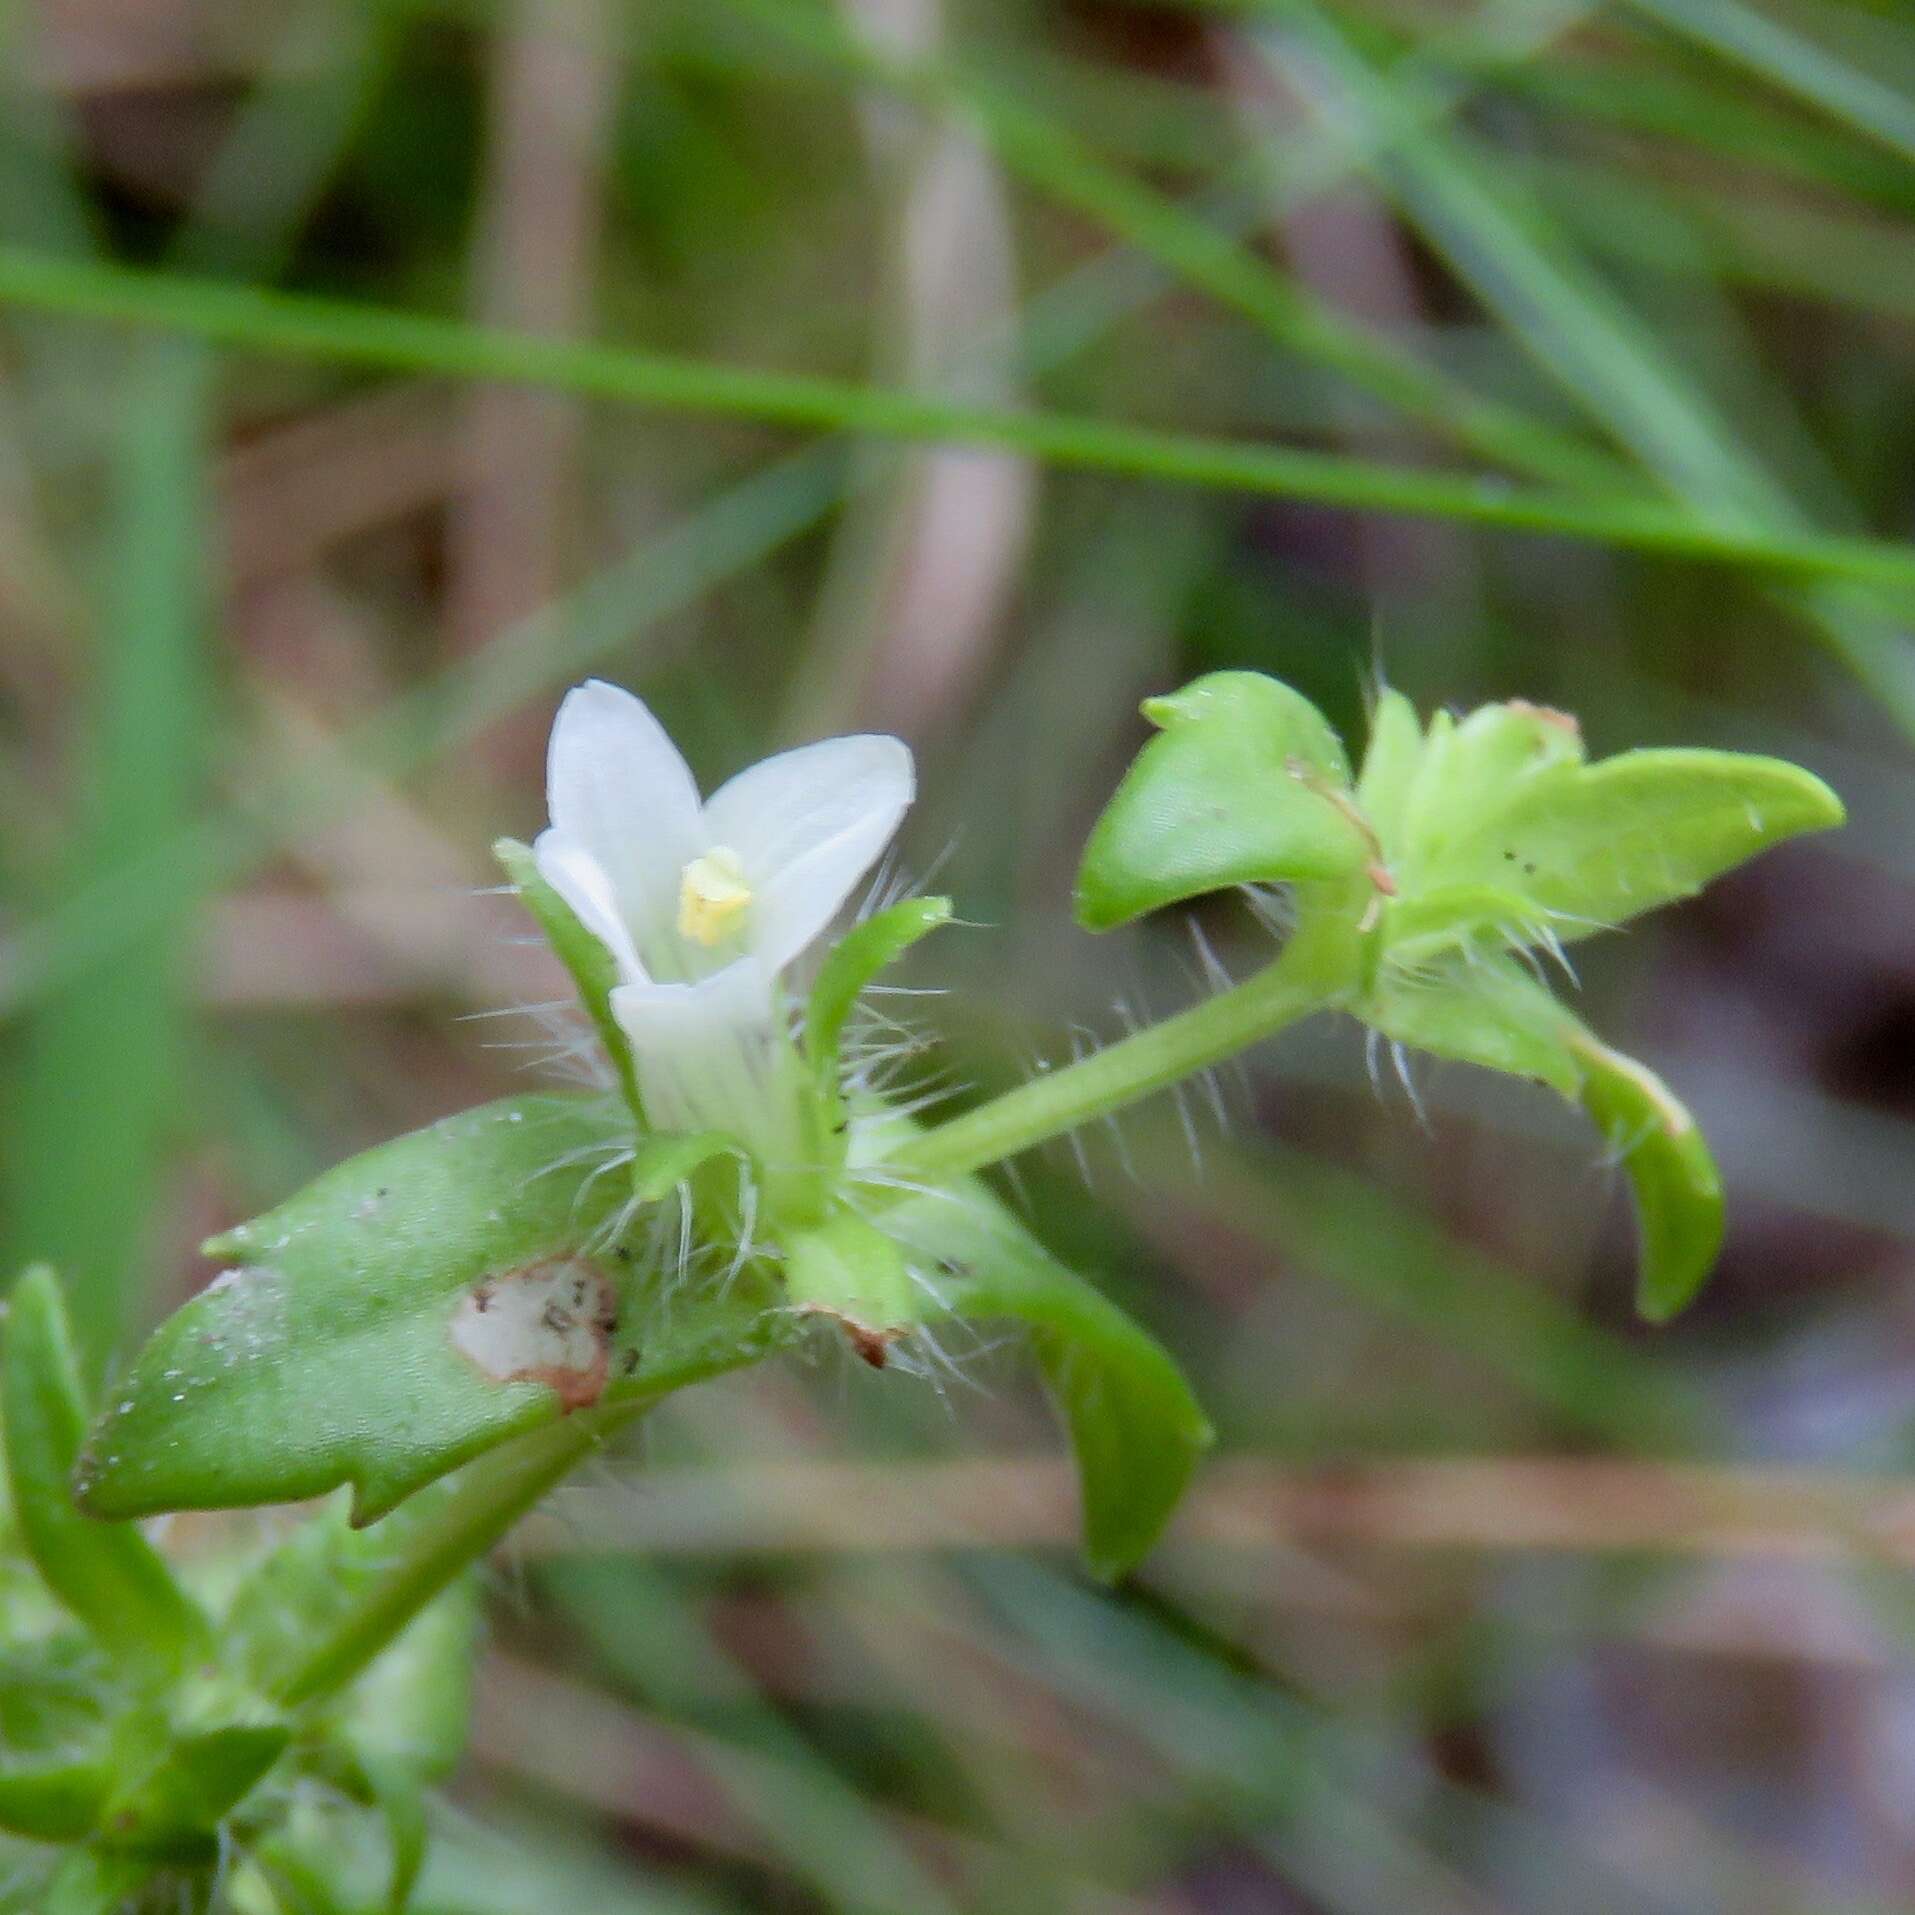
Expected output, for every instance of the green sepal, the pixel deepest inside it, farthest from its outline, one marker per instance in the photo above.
(668, 1158)
(857, 957)
(1136, 1429)
(171, 1808)
(328, 1354)
(60, 1802)
(1390, 764)
(109, 1577)
(1678, 1193)
(850, 1271)
(1487, 1011)
(1247, 784)
(593, 968)
(1472, 769)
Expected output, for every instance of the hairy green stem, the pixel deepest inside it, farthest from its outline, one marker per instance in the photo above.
(496, 1491)
(1314, 973)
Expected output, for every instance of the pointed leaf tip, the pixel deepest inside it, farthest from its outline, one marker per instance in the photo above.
(1672, 1176)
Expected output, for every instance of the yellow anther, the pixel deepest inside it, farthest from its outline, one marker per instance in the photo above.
(712, 897)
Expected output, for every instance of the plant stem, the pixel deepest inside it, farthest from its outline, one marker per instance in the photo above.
(496, 1492)
(1312, 974)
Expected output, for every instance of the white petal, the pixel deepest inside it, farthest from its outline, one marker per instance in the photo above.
(617, 788)
(710, 1057)
(586, 886)
(674, 1019)
(806, 826)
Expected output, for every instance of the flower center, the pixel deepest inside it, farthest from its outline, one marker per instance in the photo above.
(712, 897)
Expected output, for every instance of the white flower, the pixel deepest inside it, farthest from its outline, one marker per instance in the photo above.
(703, 904)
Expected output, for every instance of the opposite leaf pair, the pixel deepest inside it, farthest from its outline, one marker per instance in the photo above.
(1462, 853)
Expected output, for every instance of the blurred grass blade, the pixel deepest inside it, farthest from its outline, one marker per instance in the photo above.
(818, 1819)
(99, 1082)
(1766, 47)
(108, 1575)
(288, 139)
(302, 326)
(1503, 246)
(1345, 1231)
(1285, 310)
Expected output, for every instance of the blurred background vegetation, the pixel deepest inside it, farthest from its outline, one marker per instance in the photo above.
(1553, 348)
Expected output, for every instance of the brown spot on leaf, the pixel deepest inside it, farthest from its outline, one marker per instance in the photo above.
(548, 1322)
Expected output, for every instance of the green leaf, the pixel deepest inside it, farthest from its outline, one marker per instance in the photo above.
(593, 968)
(384, 1325)
(1248, 784)
(858, 957)
(850, 1271)
(1678, 1193)
(1579, 848)
(52, 1699)
(111, 1578)
(1136, 1429)
(58, 1803)
(1490, 1011)
(172, 1809)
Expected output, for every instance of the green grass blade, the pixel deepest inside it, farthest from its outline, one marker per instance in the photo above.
(303, 327)
(817, 1820)
(1587, 338)
(99, 1080)
(1050, 157)
(1797, 65)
